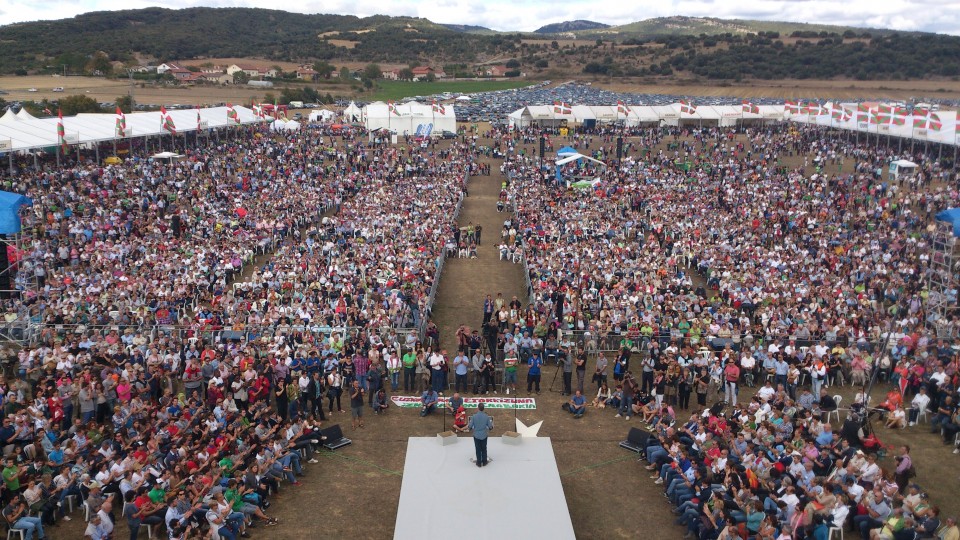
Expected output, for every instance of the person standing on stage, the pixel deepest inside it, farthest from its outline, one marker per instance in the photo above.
(480, 424)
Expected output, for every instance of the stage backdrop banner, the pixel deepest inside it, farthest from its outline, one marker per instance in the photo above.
(410, 402)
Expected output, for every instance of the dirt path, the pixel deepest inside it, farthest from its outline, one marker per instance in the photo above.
(465, 282)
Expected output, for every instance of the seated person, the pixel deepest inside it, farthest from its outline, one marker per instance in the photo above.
(460, 420)
(603, 396)
(577, 404)
(380, 401)
(428, 401)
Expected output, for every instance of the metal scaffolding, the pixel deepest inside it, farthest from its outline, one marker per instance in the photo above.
(941, 304)
(19, 288)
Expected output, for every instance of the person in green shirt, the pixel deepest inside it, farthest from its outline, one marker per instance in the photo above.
(11, 476)
(157, 495)
(409, 371)
(510, 373)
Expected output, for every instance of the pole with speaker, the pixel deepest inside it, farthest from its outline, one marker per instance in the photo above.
(619, 150)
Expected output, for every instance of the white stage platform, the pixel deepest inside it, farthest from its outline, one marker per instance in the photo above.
(517, 495)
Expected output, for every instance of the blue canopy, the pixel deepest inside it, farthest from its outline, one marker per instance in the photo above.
(566, 151)
(951, 216)
(10, 204)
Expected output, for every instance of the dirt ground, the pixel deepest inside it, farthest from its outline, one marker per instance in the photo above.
(353, 492)
(107, 90)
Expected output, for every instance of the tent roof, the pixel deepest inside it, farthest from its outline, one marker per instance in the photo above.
(577, 156)
(567, 151)
(952, 216)
(10, 204)
(904, 163)
(26, 132)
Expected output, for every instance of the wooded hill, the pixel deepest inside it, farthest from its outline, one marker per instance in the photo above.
(157, 35)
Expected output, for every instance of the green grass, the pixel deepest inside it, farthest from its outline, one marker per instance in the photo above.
(396, 90)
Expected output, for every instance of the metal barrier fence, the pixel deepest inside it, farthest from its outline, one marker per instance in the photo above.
(118, 333)
(441, 261)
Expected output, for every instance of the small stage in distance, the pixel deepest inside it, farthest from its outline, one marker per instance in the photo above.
(445, 495)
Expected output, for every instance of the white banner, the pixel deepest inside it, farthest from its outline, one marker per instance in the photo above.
(6, 145)
(412, 402)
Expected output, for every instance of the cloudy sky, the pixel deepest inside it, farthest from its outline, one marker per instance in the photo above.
(927, 15)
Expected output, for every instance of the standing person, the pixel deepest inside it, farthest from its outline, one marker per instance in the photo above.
(904, 465)
(533, 374)
(581, 365)
(488, 370)
(731, 374)
(393, 367)
(487, 309)
(480, 424)
(600, 375)
(356, 404)
(461, 365)
(334, 390)
(510, 363)
(646, 374)
(629, 389)
(410, 371)
(567, 361)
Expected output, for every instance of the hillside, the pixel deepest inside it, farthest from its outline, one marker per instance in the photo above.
(109, 42)
(570, 26)
(231, 32)
(695, 26)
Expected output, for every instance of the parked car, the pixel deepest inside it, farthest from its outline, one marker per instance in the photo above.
(58, 89)
(447, 135)
(31, 89)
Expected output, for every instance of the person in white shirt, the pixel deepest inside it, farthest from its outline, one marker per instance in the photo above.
(918, 404)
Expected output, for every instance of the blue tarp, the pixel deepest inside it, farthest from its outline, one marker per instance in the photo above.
(10, 204)
(951, 216)
(566, 151)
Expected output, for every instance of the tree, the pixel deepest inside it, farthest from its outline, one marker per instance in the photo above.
(344, 73)
(405, 74)
(324, 69)
(100, 64)
(513, 63)
(241, 77)
(431, 77)
(372, 72)
(71, 105)
(125, 103)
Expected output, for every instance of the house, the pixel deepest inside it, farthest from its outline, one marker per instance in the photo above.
(250, 70)
(142, 69)
(391, 75)
(179, 72)
(166, 66)
(307, 74)
(423, 72)
(492, 71)
(218, 78)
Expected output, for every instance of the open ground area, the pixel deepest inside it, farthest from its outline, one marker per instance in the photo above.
(354, 491)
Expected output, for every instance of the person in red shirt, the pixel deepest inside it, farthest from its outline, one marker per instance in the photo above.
(731, 375)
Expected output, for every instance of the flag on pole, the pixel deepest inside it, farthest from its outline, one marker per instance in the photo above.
(920, 118)
(61, 134)
(198, 118)
(561, 107)
(622, 108)
(163, 116)
(257, 111)
(792, 107)
(121, 130)
(750, 107)
(839, 113)
(232, 113)
(169, 125)
(687, 107)
(884, 114)
(439, 108)
(863, 112)
(899, 117)
(392, 108)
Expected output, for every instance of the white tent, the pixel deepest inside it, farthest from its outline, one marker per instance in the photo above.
(26, 132)
(353, 113)
(321, 115)
(574, 157)
(410, 118)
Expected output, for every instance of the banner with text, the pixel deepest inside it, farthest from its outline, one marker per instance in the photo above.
(471, 402)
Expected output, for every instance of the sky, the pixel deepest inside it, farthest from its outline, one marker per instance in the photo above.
(942, 16)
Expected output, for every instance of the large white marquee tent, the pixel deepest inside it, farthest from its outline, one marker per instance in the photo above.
(846, 117)
(410, 118)
(22, 131)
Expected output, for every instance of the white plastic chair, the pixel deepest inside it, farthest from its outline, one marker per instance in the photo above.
(831, 531)
(838, 398)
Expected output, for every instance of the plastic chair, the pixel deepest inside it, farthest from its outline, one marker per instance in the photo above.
(831, 531)
(922, 415)
(11, 531)
(838, 398)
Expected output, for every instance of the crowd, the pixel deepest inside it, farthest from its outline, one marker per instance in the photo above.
(733, 260)
(189, 324)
